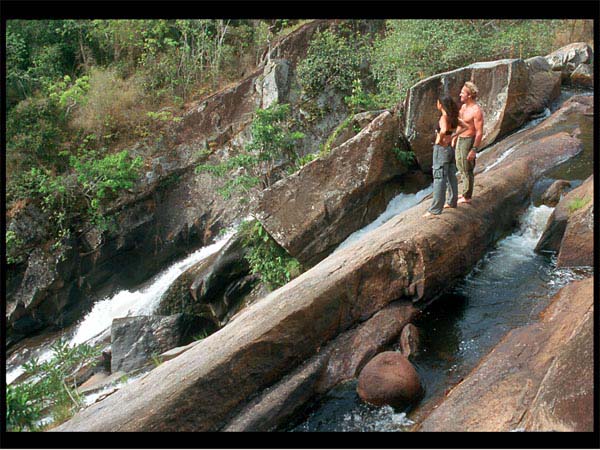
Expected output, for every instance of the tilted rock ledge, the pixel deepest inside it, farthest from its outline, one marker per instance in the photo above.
(538, 378)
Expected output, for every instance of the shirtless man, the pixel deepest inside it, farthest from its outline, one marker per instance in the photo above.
(467, 138)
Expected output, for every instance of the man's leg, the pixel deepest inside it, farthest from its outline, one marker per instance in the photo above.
(470, 181)
(461, 160)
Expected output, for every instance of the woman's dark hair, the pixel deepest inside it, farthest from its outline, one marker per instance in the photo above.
(451, 109)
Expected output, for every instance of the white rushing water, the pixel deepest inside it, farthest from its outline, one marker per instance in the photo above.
(126, 303)
(398, 204)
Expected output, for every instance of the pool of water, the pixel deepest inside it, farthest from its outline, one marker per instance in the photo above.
(507, 289)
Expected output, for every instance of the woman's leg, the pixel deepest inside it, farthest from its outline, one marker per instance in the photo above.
(439, 190)
(452, 184)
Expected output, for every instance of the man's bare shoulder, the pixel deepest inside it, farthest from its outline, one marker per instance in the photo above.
(477, 110)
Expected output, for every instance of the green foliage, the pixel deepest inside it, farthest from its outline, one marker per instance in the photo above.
(271, 140)
(332, 60)
(414, 49)
(360, 100)
(13, 247)
(80, 194)
(51, 386)
(577, 203)
(68, 94)
(406, 157)
(267, 258)
(301, 162)
(33, 133)
(163, 116)
(326, 148)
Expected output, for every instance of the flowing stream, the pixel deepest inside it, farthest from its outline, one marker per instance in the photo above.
(506, 289)
(95, 326)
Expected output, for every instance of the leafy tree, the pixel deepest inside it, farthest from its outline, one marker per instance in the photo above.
(331, 60)
(271, 141)
(266, 257)
(50, 386)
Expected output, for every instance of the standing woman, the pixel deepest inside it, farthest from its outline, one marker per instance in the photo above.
(444, 164)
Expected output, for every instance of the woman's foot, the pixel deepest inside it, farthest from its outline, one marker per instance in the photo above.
(464, 200)
(446, 206)
(429, 215)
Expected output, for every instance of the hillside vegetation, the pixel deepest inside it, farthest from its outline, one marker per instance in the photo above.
(81, 92)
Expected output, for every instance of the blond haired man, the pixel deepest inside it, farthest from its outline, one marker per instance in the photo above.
(468, 138)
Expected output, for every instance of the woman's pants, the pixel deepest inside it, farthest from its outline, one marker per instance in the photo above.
(444, 175)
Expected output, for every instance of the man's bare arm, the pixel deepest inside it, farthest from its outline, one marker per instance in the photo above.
(478, 120)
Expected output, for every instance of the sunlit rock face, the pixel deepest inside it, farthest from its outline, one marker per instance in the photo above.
(314, 210)
(510, 91)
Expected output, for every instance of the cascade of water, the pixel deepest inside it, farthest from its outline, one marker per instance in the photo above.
(399, 203)
(94, 326)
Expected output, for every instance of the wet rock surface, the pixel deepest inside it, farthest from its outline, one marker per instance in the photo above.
(214, 288)
(523, 383)
(406, 258)
(574, 212)
(389, 379)
(554, 193)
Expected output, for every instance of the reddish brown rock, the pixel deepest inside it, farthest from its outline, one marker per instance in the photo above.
(339, 360)
(539, 377)
(389, 379)
(583, 76)
(311, 212)
(556, 190)
(577, 246)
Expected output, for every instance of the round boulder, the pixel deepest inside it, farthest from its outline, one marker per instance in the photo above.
(389, 379)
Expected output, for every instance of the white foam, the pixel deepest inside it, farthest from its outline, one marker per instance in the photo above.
(141, 302)
(398, 204)
(94, 326)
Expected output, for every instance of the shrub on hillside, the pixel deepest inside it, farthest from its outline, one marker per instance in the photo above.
(113, 105)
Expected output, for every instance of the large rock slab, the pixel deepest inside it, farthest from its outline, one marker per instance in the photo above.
(338, 361)
(566, 59)
(406, 258)
(539, 377)
(579, 245)
(315, 209)
(136, 340)
(510, 91)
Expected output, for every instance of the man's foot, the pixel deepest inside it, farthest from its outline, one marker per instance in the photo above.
(429, 215)
(446, 206)
(464, 200)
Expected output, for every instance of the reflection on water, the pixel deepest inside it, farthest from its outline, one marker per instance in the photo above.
(507, 289)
